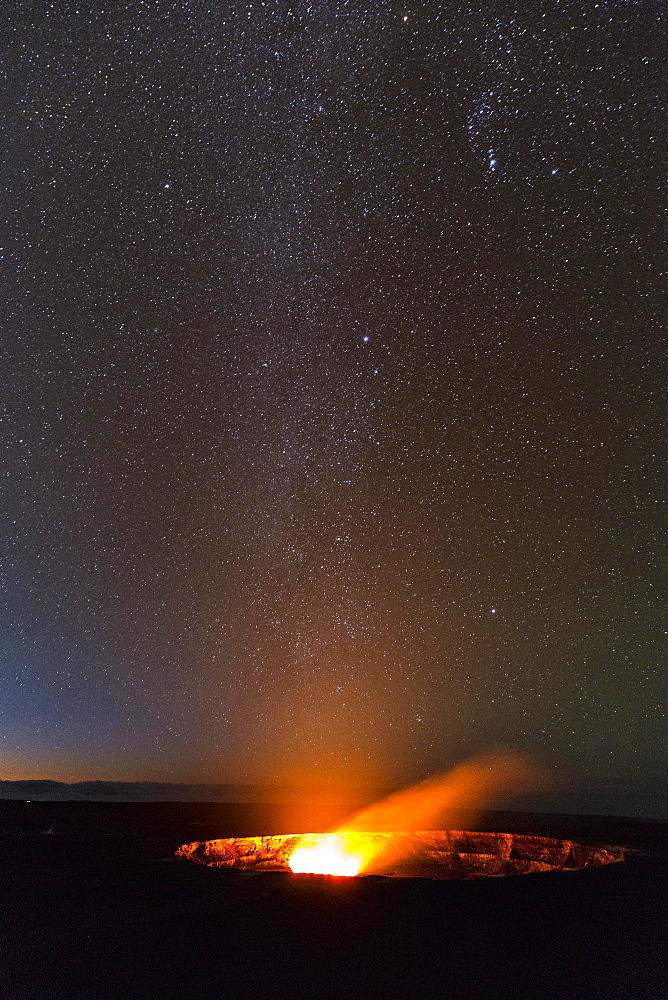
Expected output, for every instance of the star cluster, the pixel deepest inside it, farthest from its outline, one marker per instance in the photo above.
(333, 388)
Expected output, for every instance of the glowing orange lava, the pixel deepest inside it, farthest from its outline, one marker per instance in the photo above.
(328, 854)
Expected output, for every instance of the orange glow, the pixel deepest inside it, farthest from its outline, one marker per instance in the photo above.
(407, 832)
(329, 854)
(362, 843)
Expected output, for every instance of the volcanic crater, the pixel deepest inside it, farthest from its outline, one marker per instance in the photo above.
(453, 854)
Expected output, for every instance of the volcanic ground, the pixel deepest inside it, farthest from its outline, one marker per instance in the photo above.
(96, 905)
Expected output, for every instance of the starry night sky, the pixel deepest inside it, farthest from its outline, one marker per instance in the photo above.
(334, 381)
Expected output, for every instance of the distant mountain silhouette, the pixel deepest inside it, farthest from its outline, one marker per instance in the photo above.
(155, 791)
(600, 803)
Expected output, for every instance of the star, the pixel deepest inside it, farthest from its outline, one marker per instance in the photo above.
(219, 509)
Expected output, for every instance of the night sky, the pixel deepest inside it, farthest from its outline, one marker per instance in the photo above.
(335, 384)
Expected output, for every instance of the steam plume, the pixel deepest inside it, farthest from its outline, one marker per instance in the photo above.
(495, 776)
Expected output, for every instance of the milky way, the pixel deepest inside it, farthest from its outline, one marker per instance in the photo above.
(334, 389)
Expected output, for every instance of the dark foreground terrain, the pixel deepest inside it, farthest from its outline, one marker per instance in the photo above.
(94, 905)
